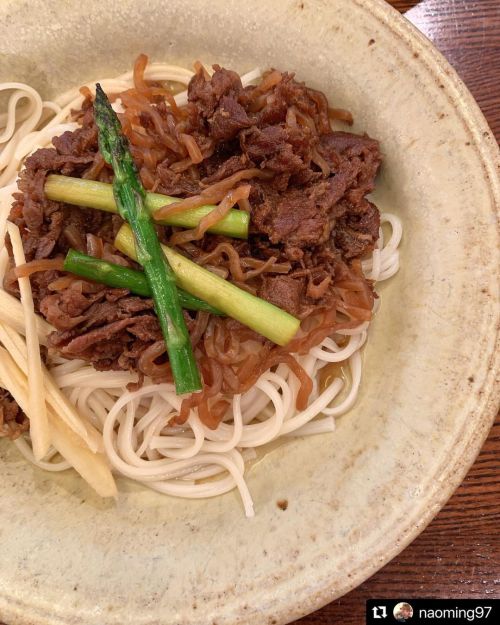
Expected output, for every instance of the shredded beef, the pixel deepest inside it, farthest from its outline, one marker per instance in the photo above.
(311, 210)
(13, 421)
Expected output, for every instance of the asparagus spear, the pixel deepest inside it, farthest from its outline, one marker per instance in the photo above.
(129, 197)
(114, 275)
(263, 317)
(100, 195)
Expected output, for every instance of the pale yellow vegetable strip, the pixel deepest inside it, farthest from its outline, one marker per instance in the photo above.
(60, 404)
(36, 408)
(93, 467)
(11, 313)
(254, 312)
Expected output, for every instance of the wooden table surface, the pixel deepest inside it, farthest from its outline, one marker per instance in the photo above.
(458, 555)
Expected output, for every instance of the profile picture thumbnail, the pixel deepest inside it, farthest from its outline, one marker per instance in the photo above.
(402, 612)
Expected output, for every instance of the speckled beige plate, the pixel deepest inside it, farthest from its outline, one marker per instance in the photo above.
(356, 497)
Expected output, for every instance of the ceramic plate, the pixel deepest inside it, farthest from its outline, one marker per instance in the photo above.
(355, 497)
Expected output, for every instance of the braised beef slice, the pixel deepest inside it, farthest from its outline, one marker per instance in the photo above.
(355, 157)
(282, 291)
(288, 93)
(291, 218)
(98, 327)
(357, 232)
(278, 148)
(228, 119)
(13, 421)
(206, 95)
(175, 183)
(227, 168)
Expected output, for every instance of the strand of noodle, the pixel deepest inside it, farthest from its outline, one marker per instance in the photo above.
(250, 410)
(347, 404)
(148, 434)
(355, 343)
(14, 116)
(51, 106)
(371, 266)
(25, 449)
(315, 408)
(73, 99)
(125, 438)
(153, 412)
(253, 407)
(211, 489)
(83, 404)
(354, 331)
(387, 249)
(192, 446)
(156, 71)
(161, 71)
(67, 366)
(10, 118)
(319, 426)
(105, 398)
(237, 431)
(134, 459)
(201, 472)
(257, 434)
(170, 442)
(170, 396)
(330, 344)
(108, 436)
(91, 377)
(391, 269)
(199, 491)
(397, 230)
(183, 471)
(240, 458)
(98, 411)
(73, 397)
(6, 164)
(151, 470)
(37, 409)
(153, 454)
(150, 431)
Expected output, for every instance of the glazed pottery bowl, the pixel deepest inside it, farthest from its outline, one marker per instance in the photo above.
(357, 496)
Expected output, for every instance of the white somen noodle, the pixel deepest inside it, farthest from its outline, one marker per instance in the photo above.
(137, 442)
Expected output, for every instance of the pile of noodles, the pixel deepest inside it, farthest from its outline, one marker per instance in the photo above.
(254, 392)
